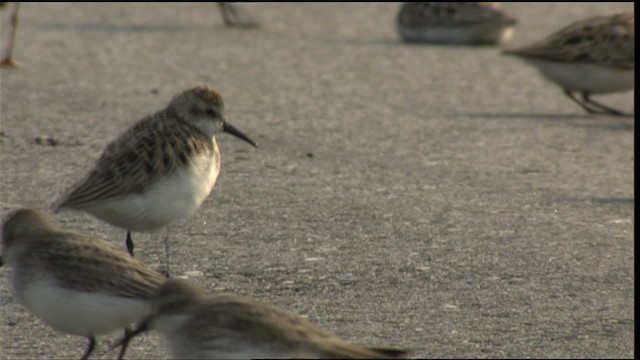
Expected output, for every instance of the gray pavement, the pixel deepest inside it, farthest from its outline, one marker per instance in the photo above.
(446, 200)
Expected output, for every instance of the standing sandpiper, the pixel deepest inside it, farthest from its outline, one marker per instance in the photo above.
(160, 170)
(76, 283)
(199, 326)
(454, 23)
(592, 56)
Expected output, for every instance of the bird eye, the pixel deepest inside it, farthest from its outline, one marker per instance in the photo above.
(212, 112)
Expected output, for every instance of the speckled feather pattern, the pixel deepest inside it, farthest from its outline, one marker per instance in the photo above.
(422, 15)
(82, 263)
(154, 147)
(226, 324)
(38, 250)
(606, 40)
(75, 283)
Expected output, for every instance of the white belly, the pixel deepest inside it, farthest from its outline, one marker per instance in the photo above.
(585, 77)
(469, 34)
(80, 313)
(173, 198)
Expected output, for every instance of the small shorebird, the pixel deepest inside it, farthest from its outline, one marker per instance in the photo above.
(7, 56)
(592, 56)
(198, 326)
(160, 170)
(235, 16)
(76, 283)
(455, 23)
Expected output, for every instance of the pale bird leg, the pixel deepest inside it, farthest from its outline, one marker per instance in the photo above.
(7, 59)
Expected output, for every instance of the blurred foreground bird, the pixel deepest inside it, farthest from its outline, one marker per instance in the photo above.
(201, 326)
(76, 283)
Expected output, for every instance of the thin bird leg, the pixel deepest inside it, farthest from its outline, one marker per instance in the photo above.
(7, 59)
(129, 243)
(223, 7)
(92, 344)
(128, 336)
(166, 252)
(582, 105)
(234, 16)
(606, 109)
(125, 342)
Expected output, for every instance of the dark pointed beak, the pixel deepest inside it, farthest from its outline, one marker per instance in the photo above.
(230, 129)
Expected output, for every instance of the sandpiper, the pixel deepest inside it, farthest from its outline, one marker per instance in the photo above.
(76, 283)
(592, 56)
(454, 23)
(197, 326)
(160, 170)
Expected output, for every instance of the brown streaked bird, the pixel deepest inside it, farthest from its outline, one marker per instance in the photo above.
(76, 283)
(201, 326)
(454, 23)
(160, 170)
(591, 56)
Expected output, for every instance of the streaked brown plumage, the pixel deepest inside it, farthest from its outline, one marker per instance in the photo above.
(595, 55)
(454, 23)
(160, 170)
(198, 325)
(76, 283)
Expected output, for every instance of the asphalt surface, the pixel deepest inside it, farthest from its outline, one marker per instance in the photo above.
(445, 200)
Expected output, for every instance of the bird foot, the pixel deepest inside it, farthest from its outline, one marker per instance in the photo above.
(9, 63)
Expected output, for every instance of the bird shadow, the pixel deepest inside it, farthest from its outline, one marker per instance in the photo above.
(582, 120)
(598, 200)
(113, 28)
(400, 43)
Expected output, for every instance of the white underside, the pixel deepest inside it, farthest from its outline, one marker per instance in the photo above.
(80, 313)
(170, 199)
(585, 77)
(478, 34)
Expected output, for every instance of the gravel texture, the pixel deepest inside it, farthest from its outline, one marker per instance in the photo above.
(446, 200)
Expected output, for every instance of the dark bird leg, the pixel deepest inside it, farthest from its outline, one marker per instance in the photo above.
(234, 16)
(577, 101)
(7, 59)
(128, 336)
(92, 344)
(129, 243)
(391, 353)
(607, 110)
(125, 343)
(166, 251)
